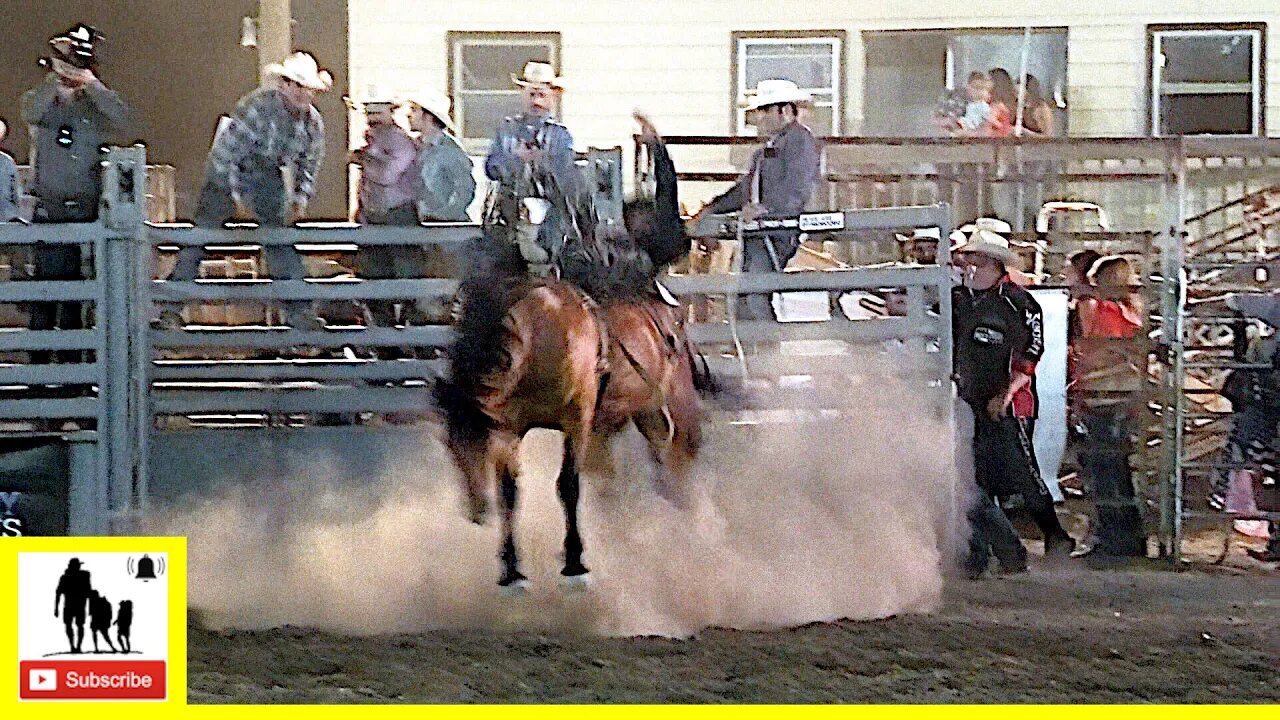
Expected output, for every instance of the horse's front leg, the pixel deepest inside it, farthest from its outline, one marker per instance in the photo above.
(568, 485)
(511, 579)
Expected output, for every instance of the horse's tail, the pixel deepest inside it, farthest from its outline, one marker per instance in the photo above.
(465, 422)
(478, 350)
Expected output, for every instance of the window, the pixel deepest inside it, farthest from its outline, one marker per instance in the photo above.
(909, 72)
(480, 68)
(814, 60)
(1207, 79)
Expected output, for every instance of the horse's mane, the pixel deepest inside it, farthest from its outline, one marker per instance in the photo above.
(479, 345)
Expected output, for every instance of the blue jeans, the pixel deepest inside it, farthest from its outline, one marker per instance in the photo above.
(269, 202)
(992, 533)
(756, 258)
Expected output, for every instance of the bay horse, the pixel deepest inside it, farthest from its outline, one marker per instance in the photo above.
(529, 354)
(652, 384)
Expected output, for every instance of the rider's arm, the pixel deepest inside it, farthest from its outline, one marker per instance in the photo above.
(735, 197)
(502, 163)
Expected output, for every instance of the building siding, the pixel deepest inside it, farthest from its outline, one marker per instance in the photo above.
(672, 58)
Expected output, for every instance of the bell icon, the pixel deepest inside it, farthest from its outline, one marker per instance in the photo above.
(146, 569)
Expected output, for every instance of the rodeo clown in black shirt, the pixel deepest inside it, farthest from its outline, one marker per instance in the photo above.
(998, 339)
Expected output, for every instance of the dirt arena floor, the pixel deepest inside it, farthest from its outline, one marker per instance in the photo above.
(1204, 635)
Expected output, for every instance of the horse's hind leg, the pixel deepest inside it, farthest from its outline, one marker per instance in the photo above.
(568, 485)
(511, 576)
(671, 455)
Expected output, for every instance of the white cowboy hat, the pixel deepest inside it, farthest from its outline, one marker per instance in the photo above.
(958, 239)
(775, 92)
(539, 73)
(434, 102)
(992, 245)
(301, 68)
(995, 225)
(931, 234)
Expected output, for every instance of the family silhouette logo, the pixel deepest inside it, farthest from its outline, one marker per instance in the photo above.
(105, 634)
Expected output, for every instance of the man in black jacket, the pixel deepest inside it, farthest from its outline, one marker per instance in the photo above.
(998, 334)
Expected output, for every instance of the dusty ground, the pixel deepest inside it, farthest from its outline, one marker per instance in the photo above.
(1074, 635)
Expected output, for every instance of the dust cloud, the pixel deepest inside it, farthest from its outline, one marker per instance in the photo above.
(792, 523)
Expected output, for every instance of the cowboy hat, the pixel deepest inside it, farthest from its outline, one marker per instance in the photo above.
(1101, 264)
(539, 73)
(992, 245)
(777, 92)
(434, 102)
(78, 46)
(301, 68)
(929, 234)
(995, 225)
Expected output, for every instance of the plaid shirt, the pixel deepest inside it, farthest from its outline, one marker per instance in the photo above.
(264, 132)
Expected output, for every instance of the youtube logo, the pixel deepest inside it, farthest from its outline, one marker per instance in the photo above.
(42, 679)
(93, 680)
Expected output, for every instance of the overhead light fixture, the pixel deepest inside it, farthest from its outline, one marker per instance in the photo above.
(248, 32)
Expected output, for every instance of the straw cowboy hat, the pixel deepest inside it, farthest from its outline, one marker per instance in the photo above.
(301, 68)
(539, 74)
(776, 92)
(434, 102)
(992, 245)
(995, 225)
(1098, 271)
(929, 234)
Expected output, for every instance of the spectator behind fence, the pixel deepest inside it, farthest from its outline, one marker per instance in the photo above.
(444, 188)
(1004, 102)
(1254, 440)
(1108, 374)
(274, 128)
(1037, 112)
(71, 115)
(448, 184)
(388, 174)
(978, 115)
(779, 182)
(10, 188)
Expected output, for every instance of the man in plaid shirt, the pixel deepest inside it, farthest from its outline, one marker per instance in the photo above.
(275, 134)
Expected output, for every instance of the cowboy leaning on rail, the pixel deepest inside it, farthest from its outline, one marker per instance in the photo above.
(275, 130)
(532, 160)
(779, 182)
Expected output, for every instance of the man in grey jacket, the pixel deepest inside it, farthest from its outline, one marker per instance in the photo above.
(10, 188)
(71, 114)
(778, 183)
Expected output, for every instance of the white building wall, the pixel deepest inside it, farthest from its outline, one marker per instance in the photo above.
(672, 57)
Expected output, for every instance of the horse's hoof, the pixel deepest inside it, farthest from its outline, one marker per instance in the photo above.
(575, 583)
(514, 589)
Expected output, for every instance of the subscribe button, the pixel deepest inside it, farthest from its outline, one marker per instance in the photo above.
(92, 680)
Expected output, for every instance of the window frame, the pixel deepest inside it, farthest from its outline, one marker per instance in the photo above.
(737, 70)
(456, 40)
(1258, 65)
